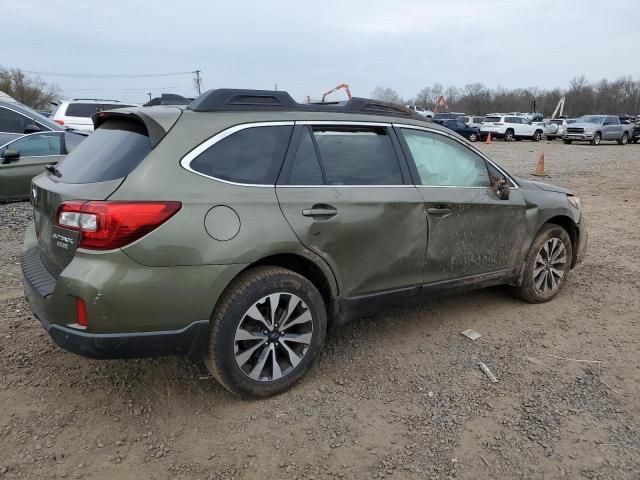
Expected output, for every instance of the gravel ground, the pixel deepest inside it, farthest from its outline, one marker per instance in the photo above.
(396, 395)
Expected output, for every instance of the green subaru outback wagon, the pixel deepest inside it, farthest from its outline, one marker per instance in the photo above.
(237, 229)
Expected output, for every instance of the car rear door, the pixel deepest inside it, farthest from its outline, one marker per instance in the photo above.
(611, 130)
(35, 151)
(472, 234)
(348, 197)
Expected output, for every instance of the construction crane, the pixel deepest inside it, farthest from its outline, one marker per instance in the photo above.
(442, 101)
(559, 108)
(342, 86)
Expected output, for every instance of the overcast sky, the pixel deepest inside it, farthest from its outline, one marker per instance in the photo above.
(308, 47)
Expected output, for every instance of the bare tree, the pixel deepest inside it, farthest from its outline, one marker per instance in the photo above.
(386, 94)
(32, 91)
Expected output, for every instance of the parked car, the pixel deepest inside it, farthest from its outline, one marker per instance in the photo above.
(447, 116)
(472, 121)
(156, 237)
(77, 113)
(597, 128)
(635, 133)
(168, 99)
(23, 158)
(557, 127)
(461, 128)
(421, 111)
(511, 128)
(535, 116)
(17, 120)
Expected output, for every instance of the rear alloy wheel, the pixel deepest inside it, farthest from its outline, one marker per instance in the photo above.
(473, 137)
(624, 140)
(266, 332)
(547, 265)
(596, 139)
(508, 135)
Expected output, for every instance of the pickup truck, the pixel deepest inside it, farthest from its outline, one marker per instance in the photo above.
(597, 128)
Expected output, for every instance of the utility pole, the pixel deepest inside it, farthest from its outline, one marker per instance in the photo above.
(149, 93)
(197, 81)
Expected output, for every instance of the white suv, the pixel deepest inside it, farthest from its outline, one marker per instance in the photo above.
(511, 127)
(421, 111)
(77, 113)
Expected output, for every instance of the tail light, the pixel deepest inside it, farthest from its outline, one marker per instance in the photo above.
(59, 122)
(105, 225)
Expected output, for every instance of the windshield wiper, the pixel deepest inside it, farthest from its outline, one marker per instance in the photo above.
(51, 167)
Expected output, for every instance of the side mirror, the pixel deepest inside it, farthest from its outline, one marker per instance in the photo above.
(10, 156)
(501, 187)
(32, 129)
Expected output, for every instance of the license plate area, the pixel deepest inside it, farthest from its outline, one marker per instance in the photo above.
(64, 242)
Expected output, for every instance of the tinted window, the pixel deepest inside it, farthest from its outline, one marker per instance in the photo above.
(36, 145)
(306, 168)
(12, 122)
(460, 124)
(493, 119)
(253, 155)
(363, 156)
(612, 121)
(441, 161)
(81, 109)
(113, 151)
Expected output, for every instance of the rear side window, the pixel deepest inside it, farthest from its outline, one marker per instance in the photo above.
(81, 109)
(113, 151)
(252, 156)
(12, 122)
(306, 168)
(362, 156)
(493, 119)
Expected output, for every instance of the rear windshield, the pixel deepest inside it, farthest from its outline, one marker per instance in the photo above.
(492, 119)
(113, 151)
(81, 109)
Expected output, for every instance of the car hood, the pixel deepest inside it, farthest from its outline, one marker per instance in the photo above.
(586, 126)
(547, 187)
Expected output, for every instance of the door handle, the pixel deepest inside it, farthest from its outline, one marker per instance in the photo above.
(439, 212)
(320, 211)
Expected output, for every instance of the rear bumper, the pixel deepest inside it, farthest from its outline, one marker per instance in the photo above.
(39, 287)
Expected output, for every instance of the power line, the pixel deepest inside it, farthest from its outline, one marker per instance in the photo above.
(86, 75)
(127, 89)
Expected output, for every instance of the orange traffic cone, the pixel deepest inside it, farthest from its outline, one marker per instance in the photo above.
(540, 167)
(488, 141)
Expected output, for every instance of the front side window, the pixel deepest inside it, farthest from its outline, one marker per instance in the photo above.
(36, 145)
(13, 122)
(444, 162)
(357, 156)
(253, 155)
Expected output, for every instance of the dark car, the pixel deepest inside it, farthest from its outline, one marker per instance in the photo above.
(447, 116)
(470, 133)
(17, 120)
(235, 231)
(635, 134)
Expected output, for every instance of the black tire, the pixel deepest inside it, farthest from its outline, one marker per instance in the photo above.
(624, 140)
(243, 294)
(597, 138)
(508, 135)
(550, 139)
(528, 291)
(567, 142)
(537, 136)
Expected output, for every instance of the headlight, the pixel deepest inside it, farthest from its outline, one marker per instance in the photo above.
(575, 201)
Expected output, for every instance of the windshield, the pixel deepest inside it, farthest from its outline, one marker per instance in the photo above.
(591, 119)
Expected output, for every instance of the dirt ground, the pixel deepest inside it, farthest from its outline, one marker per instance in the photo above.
(396, 395)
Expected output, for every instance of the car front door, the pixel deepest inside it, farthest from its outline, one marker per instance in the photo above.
(25, 158)
(347, 194)
(472, 234)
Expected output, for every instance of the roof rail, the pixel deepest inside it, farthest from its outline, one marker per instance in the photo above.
(228, 99)
(96, 100)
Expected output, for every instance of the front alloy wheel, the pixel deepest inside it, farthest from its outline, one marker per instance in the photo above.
(473, 137)
(550, 266)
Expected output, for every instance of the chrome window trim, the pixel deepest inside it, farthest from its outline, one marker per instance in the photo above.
(514, 184)
(332, 123)
(185, 162)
